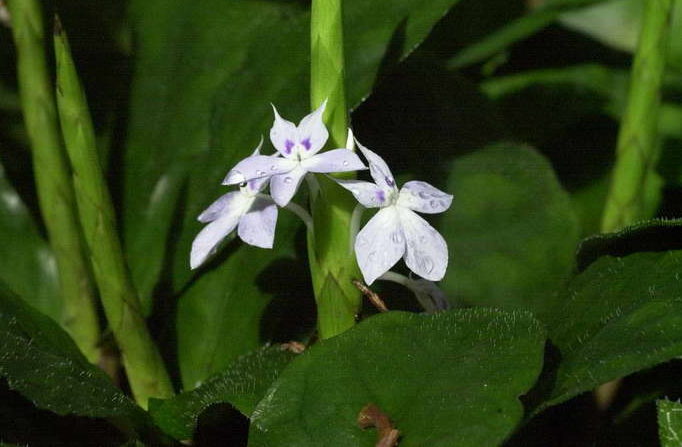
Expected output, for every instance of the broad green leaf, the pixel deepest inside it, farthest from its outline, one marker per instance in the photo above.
(619, 316)
(204, 81)
(40, 361)
(220, 313)
(650, 235)
(27, 264)
(669, 423)
(452, 378)
(243, 384)
(202, 91)
(511, 230)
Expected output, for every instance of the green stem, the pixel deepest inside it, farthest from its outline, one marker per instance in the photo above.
(141, 359)
(55, 192)
(635, 187)
(331, 266)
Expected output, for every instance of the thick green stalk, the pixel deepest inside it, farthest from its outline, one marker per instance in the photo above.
(332, 265)
(141, 359)
(53, 183)
(635, 186)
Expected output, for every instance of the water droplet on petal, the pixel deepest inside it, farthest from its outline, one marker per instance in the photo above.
(424, 195)
(345, 162)
(273, 167)
(288, 180)
(372, 256)
(422, 239)
(397, 237)
(260, 173)
(434, 204)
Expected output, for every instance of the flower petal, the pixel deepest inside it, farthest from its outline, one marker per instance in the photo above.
(426, 253)
(208, 239)
(312, 133)
(283, 135)
(368, 194)
(283, 187)
(336, 160)
(378, 169)
(257, 226)
(258, 166)
(424, 198)
(217, 208)
(380, 244)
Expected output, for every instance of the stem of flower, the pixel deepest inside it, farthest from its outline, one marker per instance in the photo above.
(355, 221)
(396, 278)
(331, 267)
(142, 361)
(53, 183)
(302, 214)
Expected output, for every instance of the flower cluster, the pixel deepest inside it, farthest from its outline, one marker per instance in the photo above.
(396, 231)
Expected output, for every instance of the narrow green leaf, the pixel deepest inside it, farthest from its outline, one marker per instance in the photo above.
(517, 30)
(142, 361)
(449, 379)
(243, 384)
(635, 186)
(669, 423)
(619, 316)
(55, 192)
(40, 360)
(512, 230)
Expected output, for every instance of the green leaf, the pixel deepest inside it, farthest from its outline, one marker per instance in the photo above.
(220, 313)
(650, 235)
(205, 120)
(447, 379)
(669, 423)
(27, 264)
(512, 231)
(40, 361)
(201, 100)
(243, 385)
(619, 316)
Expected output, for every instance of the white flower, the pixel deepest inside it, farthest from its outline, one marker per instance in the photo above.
(299, 147)
(254, 215)
(396, 231)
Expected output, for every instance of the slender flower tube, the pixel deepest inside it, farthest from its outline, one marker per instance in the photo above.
(298, 147)
(396, 231)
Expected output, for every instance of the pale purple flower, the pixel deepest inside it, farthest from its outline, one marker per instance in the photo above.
(396, 231)
(298, 147)
(253, 214)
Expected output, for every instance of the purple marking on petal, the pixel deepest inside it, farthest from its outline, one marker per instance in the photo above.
(288, 145)
(389, 181)
(381, 197)
(306, 143)
(254, 185)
